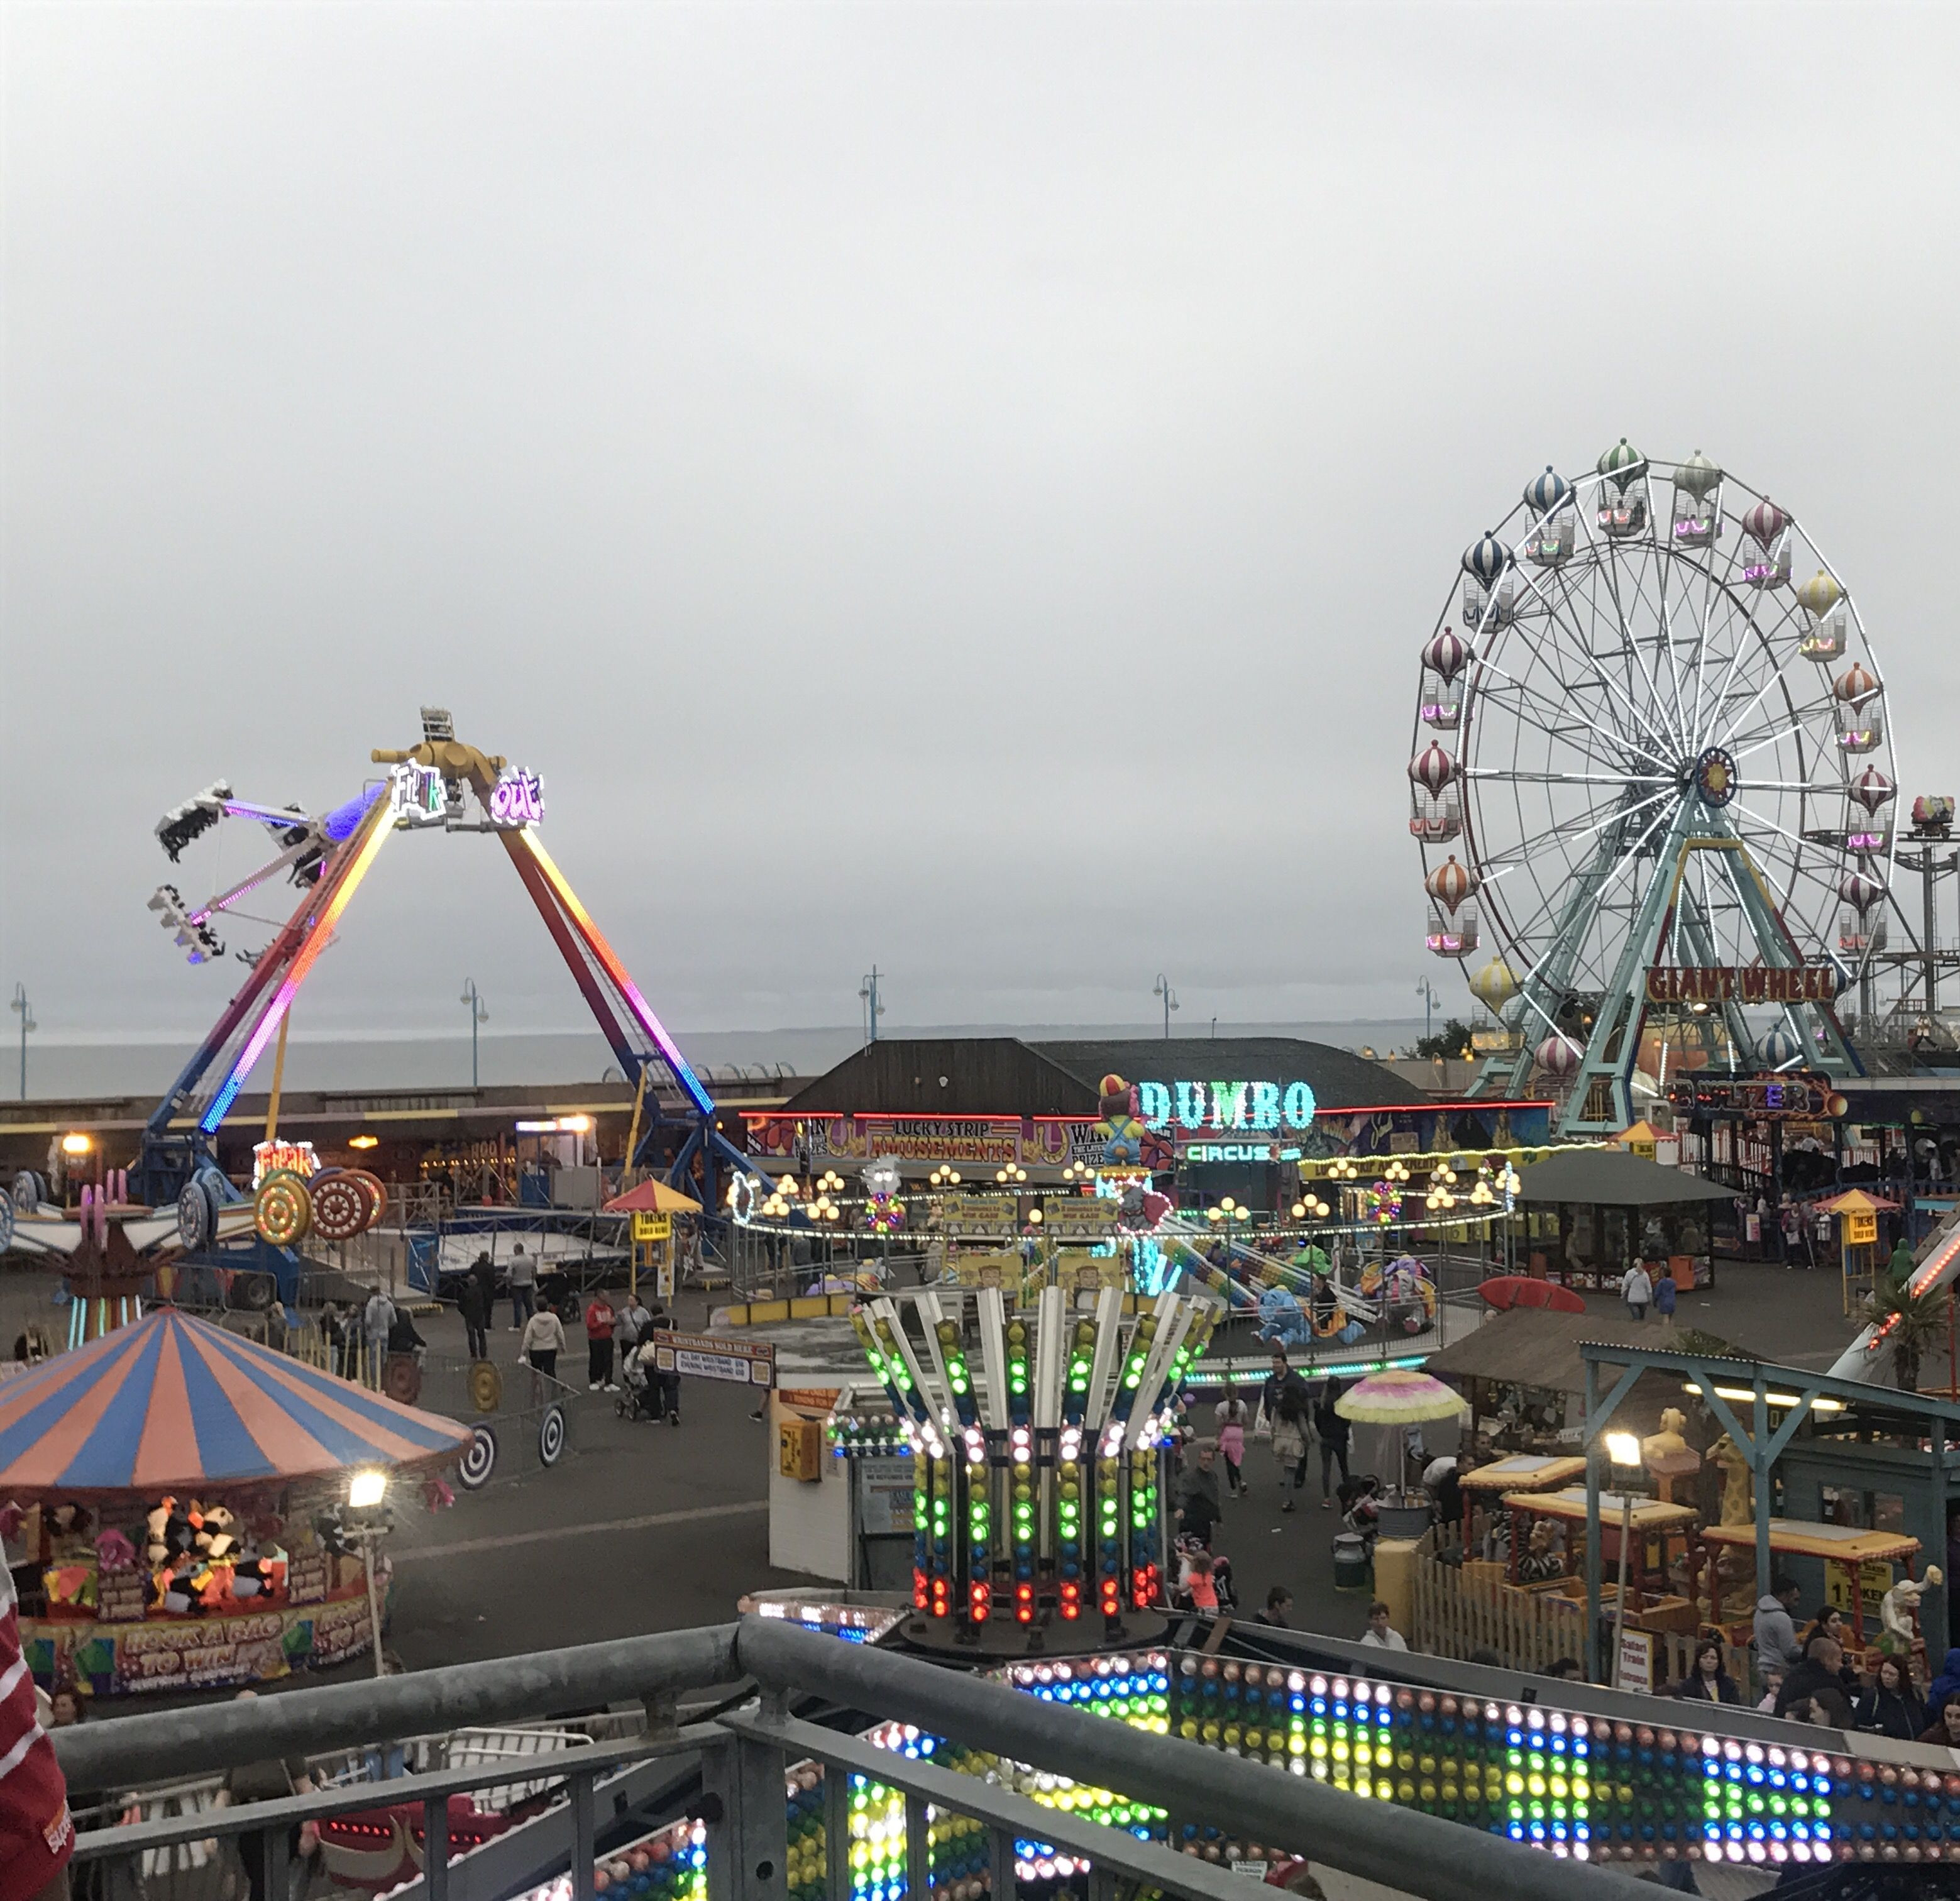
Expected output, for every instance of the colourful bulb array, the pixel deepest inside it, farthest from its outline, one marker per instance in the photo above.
(1144, 1577)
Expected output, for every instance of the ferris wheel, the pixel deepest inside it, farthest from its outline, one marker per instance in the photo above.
(1650, 739)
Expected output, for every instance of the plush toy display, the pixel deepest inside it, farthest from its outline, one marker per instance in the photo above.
(1123, 1131)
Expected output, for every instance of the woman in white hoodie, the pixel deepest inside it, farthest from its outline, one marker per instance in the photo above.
(1637, 1290)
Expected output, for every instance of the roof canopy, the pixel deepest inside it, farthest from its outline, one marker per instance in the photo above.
(1614, 1178)
(174, 1404)
(653, 1198)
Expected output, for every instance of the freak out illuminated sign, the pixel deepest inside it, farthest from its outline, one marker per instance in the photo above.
(517, 798)
(1195, 1106)
(1747, 983)
(417, 795)
(298, 1157)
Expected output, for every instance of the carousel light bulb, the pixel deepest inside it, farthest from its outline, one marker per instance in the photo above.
(952, 1175)
(1299, 1211)
(1034, 1216)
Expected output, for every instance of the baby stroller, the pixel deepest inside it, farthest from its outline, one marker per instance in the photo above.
(1360, 1505)
(639, 1398)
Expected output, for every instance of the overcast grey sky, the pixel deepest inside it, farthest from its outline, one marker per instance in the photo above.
(962, 486)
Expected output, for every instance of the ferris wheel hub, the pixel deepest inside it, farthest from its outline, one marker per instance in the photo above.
(1713, 777)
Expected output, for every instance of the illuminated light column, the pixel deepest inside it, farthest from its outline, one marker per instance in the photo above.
(379, 830)
(610, 962)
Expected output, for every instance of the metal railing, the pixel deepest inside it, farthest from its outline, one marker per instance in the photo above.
(742, 1759)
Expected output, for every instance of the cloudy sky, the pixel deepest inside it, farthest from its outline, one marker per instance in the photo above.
(959, 486)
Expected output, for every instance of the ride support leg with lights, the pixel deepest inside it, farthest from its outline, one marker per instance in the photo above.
(1109, 1543)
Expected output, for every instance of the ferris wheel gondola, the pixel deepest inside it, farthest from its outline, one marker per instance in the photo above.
(1637, 744)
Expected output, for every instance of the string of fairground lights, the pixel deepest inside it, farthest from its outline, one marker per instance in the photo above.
(614, 969)
(380, 828)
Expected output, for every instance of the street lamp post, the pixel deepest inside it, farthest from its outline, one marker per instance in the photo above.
(1162, 989)
(478, 1013)
(1623, 1453)
(867, 995)
(24, 1010)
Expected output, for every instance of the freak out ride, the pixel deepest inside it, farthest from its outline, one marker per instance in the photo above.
(440, 783)
(1652, 778)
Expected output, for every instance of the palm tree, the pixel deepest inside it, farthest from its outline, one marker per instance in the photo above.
(1911, 1325)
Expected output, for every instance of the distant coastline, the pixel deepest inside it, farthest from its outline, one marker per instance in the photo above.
(119, 1066)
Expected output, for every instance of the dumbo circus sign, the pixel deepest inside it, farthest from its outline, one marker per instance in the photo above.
(1215, 1106)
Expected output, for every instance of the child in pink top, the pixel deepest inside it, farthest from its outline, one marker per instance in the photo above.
(1233, 1416)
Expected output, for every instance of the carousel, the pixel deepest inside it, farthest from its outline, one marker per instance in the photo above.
(185, 1509)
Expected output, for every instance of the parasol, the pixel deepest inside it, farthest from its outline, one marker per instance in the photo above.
(653, 1198)
(1504, 1291)
(174, 1404)
(1400, 1397)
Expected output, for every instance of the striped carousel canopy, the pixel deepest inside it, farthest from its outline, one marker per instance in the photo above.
(173, 1403)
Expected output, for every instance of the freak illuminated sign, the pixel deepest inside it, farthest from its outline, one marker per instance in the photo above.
(1211, 1105)
(517, 798)
(417, 795)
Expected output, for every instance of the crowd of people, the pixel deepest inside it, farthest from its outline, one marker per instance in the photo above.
(1812, 1679)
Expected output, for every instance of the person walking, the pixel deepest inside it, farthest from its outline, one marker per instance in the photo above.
(1791, 1218)
(377, 1322)
(543, 1342)
(1665, 1294)
(1195, 1497)
(1232, 1415)
(1333, 1432)
(523, 1288)
(469, 1302)
(600, 1321)
(1637, 1290)
(1286, 1407)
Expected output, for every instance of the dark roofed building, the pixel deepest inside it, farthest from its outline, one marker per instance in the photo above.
(1339, 1078)
(1004, 1076)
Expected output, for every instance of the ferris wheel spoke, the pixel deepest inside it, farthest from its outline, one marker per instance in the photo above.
(1586, 659)
(1624, 624)
(1615, 739)
(1525, 851)
(1628, 856)
(1716, 587)
(1753, 639)
(1569, 779)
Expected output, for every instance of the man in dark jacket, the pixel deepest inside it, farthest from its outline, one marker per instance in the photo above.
(1816, 1677)
(473, 1303)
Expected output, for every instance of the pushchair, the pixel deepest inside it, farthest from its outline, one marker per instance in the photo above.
(639, 1397)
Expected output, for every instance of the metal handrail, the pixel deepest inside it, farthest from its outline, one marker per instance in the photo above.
(746, 1756)
(126, 1752)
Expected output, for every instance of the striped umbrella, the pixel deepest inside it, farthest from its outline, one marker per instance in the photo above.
(1400, 1396)
(174, 1404)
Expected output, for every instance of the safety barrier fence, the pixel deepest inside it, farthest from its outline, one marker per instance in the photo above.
(749, 1759)
(1458, 1609)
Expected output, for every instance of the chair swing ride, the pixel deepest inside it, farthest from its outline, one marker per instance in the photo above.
(1652, 779)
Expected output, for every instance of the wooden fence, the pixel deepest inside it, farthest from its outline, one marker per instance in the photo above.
(1458, 1609)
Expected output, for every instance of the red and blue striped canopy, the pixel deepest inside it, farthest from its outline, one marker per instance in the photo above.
(174, 1404)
